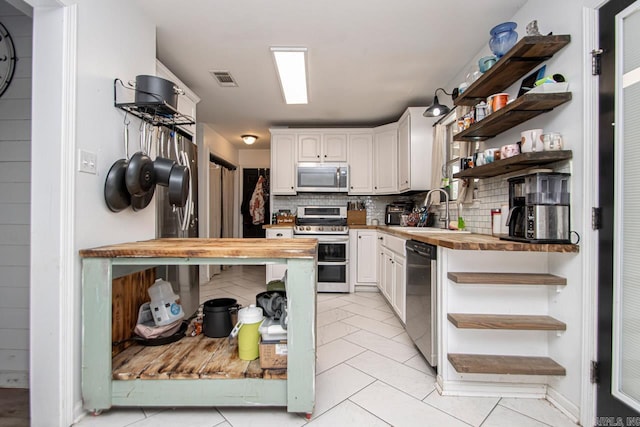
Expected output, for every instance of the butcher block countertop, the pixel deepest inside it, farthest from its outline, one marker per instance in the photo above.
(469, 241)
(208, 248)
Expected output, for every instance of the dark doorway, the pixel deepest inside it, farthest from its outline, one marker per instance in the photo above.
(610, 409)
(250, 179)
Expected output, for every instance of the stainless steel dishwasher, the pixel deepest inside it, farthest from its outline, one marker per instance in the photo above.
(421, 298)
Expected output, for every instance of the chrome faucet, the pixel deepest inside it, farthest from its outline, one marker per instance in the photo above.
(446, 201)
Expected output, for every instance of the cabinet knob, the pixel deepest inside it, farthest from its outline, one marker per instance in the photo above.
(292, 188)
(375, 188)
(359, 237)
(379, 238)
(352, 187)
(318, 156)
(279, 234)
(406, 182)
(325, 155)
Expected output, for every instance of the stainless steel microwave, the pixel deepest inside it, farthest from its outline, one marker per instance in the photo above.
(322, 177)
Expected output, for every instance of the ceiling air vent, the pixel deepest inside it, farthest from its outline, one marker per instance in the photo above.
(224, 78)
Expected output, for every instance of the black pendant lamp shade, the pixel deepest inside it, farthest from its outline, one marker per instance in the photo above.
(436, 109)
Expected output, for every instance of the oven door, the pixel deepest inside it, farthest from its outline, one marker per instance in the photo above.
(333, 262)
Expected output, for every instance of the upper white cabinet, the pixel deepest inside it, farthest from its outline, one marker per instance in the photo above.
(322, 147)
(385, 159)
(415, 141)
(283, 159)
(360, 158)
(187, 102)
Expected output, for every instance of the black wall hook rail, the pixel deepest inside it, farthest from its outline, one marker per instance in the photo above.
(156, 113)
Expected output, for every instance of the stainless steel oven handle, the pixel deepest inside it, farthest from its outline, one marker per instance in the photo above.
(345, 263)
(330, 239)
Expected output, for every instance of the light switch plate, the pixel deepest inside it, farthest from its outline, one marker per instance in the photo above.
(87, 162)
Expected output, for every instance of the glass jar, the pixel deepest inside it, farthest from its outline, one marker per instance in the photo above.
(503, 38)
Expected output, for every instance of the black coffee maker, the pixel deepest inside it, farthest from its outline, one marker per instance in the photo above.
(539, 208)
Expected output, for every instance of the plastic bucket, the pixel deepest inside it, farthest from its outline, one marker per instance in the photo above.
(217, 321)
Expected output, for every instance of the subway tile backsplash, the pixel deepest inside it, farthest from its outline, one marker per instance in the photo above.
(491, 193)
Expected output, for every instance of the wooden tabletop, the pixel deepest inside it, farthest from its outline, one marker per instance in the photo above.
(208, 248)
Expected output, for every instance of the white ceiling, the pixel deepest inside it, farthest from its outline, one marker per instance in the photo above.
(368, 59)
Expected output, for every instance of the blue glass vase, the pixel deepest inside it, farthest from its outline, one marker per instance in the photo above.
(503, 37)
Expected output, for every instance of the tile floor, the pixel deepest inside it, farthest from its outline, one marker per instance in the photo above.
(368, 374)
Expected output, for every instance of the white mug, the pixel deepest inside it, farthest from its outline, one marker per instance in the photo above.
(552, 141)
(531, 140)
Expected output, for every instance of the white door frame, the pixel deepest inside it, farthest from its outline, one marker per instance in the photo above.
(54, 355)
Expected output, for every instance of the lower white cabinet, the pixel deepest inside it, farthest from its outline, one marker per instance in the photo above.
(363, 260)
(391, 271)
(276, 271)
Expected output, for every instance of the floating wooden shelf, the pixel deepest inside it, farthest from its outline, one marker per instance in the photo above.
(506, 279)
(519, 111)
(190, 358)
(506, 321)
(508, 365)
(521, 58)
(515, 163)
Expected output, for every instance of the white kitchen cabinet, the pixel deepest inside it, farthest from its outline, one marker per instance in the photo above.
(322, 147)
(186, 102)
(399, 286)
(360, 158)
(276, 271)
(391, 272)
(415, 141)
(283, 156)
(385, 159)
(363, 264)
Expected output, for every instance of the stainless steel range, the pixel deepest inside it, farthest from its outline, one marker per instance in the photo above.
(328, 224)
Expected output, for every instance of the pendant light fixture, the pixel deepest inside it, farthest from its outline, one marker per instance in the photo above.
(249, 139)
(436, 109)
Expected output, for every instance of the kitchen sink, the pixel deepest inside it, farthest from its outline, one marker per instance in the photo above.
(429, 230)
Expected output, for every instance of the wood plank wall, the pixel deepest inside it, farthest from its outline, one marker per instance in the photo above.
(128, 294)
(15, 184)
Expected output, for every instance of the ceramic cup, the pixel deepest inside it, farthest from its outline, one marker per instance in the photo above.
(509, 150)
(491, 154)
(531, 140)
(552, 141)
(498, 101)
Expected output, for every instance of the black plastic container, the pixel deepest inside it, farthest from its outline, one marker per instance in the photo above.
(217, 321)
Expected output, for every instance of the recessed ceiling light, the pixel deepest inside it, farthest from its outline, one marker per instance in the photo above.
(292, 71)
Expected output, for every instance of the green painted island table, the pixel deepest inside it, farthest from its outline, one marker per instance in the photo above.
(101, 265)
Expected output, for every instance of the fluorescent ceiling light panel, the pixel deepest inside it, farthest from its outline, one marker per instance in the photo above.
(291, 64)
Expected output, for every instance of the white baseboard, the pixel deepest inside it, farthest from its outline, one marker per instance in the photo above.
(14, 379)
(563, 404)
(78, 411)
(487, 389)
(367, 288)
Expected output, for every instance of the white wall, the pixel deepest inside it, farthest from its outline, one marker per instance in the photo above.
(68, 211)
(254, 158)
(15, 187)
(560, 18)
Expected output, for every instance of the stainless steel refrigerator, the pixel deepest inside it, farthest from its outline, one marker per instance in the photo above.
(170, 222)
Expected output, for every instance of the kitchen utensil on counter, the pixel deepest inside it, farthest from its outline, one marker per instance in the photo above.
(116, 195)
(552, 141)
(503, 38)
(156, 90)
(531, 141)
(249, 320)
(217, 322)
